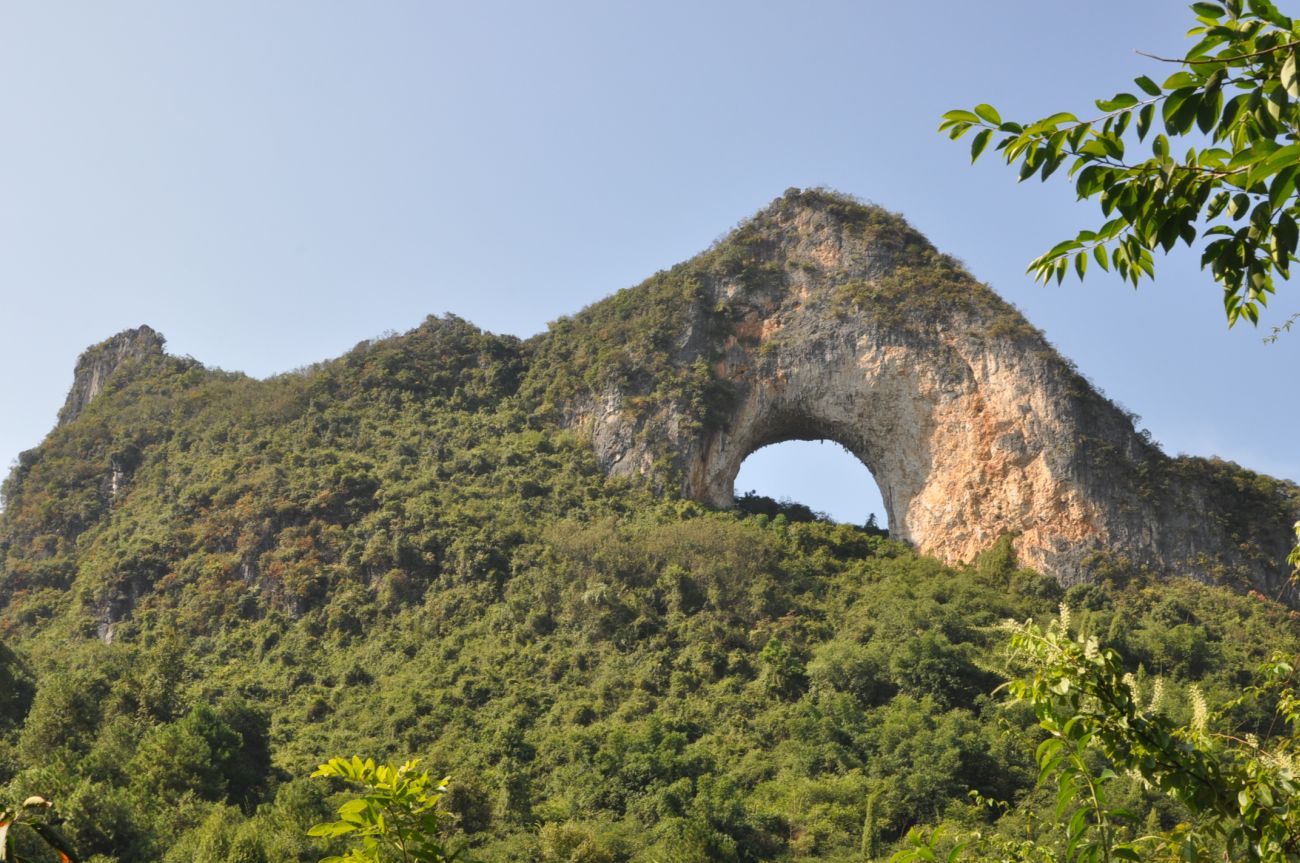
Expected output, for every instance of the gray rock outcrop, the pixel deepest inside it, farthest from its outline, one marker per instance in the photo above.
(98, 363)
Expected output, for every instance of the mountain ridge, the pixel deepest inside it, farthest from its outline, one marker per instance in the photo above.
(819, 317)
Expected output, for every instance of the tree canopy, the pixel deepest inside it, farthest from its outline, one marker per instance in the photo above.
(1235, 98)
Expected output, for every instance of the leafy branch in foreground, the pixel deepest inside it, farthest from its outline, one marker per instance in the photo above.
(398, 817)
(1238, 93)
(1239, 791)
(35, 817)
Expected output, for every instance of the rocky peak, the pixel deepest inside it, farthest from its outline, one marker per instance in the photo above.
(824, 318)
(98, 363)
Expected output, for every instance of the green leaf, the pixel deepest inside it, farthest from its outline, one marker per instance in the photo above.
(1059, 118)
(1144, 120)
(1214, 157)
(1283, 185)
(1119, 102)
(1179, 110)
(1122, 121)
(1203, 47)
(1047, 749)
(1251, 155)
(1062, 248)
(1090, 181)
(962, 116)
(1266, 10)
(1050, 166)
(1055, 143)
(1279, 159)
(989, 113)
(1168, 234)
(1216, 206)
(1228, 119)
(1099, 253)
(1095, 148)
(354, 810)
(1284, 232)
(1078, 824)
(1077, 135)
(1290, 80)
(1146, 264)
(1113, 144)
(1081, 264)
(333, 829)
(1151, 88)
(1208, 113)
(1028, 167)
(978, 143)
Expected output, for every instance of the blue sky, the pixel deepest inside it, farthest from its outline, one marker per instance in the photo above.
(270, 183)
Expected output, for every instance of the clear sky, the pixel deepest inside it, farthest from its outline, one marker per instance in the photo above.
(268, 183)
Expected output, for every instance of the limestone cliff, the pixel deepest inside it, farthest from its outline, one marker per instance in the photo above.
(824, 318)
(98, 363)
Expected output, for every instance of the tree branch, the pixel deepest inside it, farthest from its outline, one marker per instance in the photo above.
(1199, 61)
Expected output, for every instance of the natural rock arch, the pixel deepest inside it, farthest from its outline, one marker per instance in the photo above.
(775, 418)
(824, 318)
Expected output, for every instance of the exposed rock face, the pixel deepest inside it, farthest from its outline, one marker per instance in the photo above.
(840, 322)
(98, 363)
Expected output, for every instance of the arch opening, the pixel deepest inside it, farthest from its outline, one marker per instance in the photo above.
(820, 475)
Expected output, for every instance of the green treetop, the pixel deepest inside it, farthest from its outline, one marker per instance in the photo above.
(1235, 96)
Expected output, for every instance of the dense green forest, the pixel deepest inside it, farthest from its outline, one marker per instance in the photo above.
(211, 584)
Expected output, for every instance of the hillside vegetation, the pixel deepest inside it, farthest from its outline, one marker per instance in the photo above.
(211, 584)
